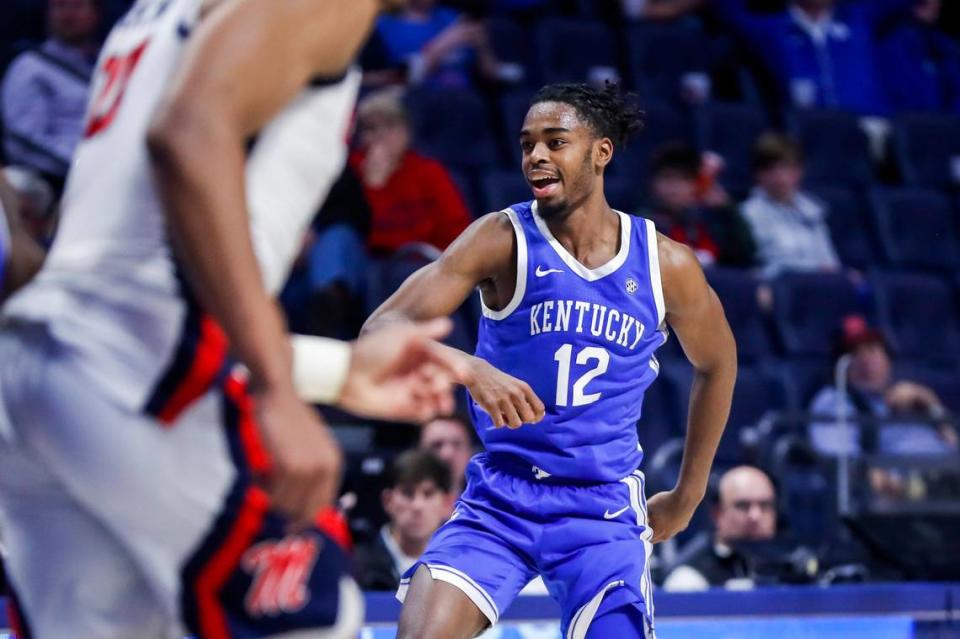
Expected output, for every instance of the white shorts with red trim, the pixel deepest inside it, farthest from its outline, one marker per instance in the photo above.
(119, 527)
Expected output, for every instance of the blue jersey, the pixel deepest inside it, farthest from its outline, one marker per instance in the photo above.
(584, 340)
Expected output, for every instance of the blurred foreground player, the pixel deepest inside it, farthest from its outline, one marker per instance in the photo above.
(576, 299)
(137, 499)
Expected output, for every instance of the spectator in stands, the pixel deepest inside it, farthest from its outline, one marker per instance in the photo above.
(412, 198)
(921, 64)
(417, 500)
(788, 226)
(820, 52)
(451, 440)
(916, 418)
(426, 44)
(745, 509)
(690, 207)
(45, 90)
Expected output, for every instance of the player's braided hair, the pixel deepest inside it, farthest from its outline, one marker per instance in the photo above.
(609, 112)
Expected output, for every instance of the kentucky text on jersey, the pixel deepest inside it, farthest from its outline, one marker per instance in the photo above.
(584, 340)
(554, 316)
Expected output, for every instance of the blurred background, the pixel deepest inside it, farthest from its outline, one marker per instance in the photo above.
(808, 151)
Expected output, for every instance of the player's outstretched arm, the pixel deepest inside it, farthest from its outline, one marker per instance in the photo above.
(696, 317)
(484, 255)
(246, 60)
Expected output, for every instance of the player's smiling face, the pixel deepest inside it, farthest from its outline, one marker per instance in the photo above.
(559, 151)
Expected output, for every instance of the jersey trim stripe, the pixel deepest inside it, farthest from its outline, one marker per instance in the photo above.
(16, 615)
(241, 520)
(521, 287)
(199, 361)
(653, 255)
(589, 274)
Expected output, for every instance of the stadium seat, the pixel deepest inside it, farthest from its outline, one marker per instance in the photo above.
(731, 130)
(737, 291)
(835, 148)
(851, 229)
(501, 188)
(512, 108)
(659, 55)
(661, 124)
(511, 45)
(926, 145)
(808, 309)
(917, 228)
(804, 377)
(758, 392)
(452, 125)
(919, 313)
(576, 51)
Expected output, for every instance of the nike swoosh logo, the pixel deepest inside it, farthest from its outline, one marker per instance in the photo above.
(541, 272)
(609, 515)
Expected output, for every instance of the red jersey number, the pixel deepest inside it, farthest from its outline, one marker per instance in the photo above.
(117, 71)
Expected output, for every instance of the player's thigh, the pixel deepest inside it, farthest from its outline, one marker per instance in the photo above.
(436, 609)
(623, 622)
(71, 576)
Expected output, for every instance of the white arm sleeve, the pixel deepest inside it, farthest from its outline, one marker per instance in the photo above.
(320, 368)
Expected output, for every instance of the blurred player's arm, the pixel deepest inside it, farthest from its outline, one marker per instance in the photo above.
(697, 318)
(26, 255)
(246, 60)
(484, 255)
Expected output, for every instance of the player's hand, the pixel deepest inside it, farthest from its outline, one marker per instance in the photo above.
(669, 513)
(509, 401)
(401, 373)
(306, 459)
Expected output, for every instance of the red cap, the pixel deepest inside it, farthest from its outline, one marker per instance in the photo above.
(856, 332)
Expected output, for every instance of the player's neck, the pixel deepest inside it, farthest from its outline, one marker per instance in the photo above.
(590, 231)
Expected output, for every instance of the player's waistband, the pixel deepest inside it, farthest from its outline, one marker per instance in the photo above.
(522, 469)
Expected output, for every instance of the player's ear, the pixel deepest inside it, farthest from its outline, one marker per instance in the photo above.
(603, 152)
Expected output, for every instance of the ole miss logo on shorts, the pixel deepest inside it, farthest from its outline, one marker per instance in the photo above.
(280, 570)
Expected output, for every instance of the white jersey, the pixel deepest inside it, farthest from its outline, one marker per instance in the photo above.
(110, 289)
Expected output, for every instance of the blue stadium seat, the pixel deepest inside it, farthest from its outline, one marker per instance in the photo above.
(511, 45)
(804, 377)
(501, 188)
(453, 126)
(851, 229)
(662, 124)
(513, 107)
(919, 313)
(917, 228)
(925, 146)
(659, 55)
(575, 50)
(835, 147)
(808, 309)
(731, 130)
(737, 291)
(758, 392)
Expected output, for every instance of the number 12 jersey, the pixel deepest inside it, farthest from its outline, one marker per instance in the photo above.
(584, 340)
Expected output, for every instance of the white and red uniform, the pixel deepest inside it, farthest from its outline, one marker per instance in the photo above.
(128, 451)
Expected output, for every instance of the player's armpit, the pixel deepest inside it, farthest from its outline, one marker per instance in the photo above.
(696, 316)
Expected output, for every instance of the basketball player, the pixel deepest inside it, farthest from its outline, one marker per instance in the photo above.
(136, 497)
(576, 299)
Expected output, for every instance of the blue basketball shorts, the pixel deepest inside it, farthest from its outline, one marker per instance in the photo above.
(590, 543)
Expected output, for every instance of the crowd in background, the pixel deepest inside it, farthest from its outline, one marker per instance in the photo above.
(807, 150)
